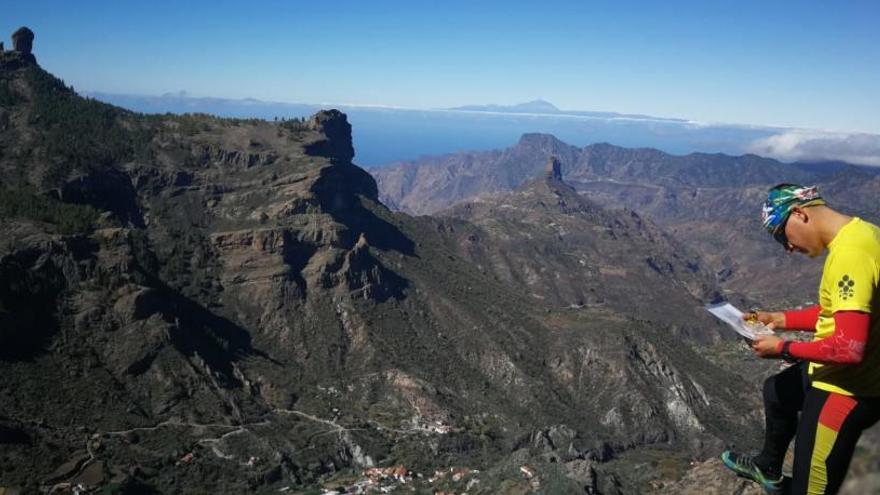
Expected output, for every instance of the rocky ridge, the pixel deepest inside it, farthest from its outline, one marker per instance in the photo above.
(706, 201)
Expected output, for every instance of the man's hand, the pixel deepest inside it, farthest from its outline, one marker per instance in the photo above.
(773, 320)
(765, 346)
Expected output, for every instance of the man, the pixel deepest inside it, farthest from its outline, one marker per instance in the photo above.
(836, 384)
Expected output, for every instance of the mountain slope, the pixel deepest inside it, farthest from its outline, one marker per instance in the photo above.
(434, 183)
(566, 250)
(707, 202)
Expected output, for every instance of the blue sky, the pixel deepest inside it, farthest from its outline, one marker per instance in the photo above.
(804, 64)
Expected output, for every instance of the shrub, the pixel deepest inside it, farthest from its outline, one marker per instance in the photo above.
(82, 131)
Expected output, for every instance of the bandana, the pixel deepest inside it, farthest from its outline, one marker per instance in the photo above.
(780, 201)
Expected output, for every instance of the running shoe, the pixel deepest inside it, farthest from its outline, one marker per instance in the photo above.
(744, 466)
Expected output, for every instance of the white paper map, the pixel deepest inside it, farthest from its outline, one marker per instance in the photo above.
(730, 314)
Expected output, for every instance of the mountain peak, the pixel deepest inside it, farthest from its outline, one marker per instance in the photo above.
(552, 188)
(20, 55)
(336, 142)
(538, 105)
(553, 169)
(539, 140)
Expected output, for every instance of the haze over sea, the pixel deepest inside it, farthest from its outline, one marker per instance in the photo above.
(384, 135)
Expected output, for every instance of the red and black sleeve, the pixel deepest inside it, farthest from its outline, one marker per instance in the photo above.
(845, 346)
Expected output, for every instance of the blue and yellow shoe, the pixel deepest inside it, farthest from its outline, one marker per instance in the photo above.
(744, 465)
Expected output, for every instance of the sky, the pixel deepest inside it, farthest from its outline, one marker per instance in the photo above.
(806, 64)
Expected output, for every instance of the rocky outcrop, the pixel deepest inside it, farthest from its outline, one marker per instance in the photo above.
(363, 276)
(707, 478)
(553, 169)
(335, 136)
(23, 40)
(208, 155)
(20, 56)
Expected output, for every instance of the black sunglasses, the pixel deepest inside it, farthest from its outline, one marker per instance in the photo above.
(780, 236)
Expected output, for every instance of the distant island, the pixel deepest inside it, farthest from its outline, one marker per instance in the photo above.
(534, 106)
(544, 107)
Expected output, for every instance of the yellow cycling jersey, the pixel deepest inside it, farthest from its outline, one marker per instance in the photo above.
(851, 282)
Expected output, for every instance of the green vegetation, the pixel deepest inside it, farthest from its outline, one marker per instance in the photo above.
(69, 218)
(190, 124)
(82, 132)
(239, 121)
(294, 124)
(556, 481)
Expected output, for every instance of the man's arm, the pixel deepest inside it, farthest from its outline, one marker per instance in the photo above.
(845, 346)
(802, 319)
(798, 319)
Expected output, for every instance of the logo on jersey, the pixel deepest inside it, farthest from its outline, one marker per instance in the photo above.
(846, 287)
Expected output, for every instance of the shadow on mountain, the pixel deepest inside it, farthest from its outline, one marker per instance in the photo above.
(372, 279)
(341, 190)
(107, 189)
(31, 282)
(380, 233)
(197, 331)
(12, 433)
(297, 256)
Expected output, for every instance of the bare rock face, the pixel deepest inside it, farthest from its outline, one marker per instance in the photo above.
(23, 40)
(553, 169)
(207, 155)
(708, 477)
(260, 261)
(336, 136)
(20, 55)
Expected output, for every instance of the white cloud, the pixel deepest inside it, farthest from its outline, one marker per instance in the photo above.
(809, 145)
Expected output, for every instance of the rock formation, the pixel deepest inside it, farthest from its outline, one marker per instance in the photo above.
(23, 40)
(20, 55)
(335, 142)
(553, 169)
